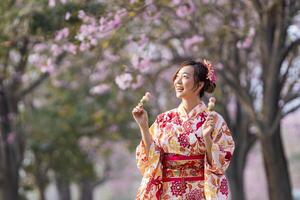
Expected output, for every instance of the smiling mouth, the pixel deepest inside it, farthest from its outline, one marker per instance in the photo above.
(179, 89)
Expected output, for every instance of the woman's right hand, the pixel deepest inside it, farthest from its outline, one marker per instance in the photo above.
(141, 116)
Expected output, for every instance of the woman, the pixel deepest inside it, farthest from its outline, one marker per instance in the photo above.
(185, 152)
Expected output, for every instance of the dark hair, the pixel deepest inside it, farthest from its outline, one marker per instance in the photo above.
(200, 75)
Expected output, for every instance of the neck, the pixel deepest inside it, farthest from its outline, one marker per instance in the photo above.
(189, 104)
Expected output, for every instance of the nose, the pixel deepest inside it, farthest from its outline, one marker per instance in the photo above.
(177, 80)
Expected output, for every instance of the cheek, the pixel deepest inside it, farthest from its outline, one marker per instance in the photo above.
(189, 84)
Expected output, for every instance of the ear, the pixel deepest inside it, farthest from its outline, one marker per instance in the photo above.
(200, 86)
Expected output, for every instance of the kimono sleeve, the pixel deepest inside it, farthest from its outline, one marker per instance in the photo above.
(141, 156)
(222, 148)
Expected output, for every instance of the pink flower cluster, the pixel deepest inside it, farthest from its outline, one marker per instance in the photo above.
(247, 42)
(211, 71)
(52, 3)
(189, 42)
(93, 30)
(184, 8)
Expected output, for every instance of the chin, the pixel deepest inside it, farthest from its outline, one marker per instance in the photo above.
(179, 96)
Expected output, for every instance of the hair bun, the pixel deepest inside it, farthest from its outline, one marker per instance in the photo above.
(210, 86)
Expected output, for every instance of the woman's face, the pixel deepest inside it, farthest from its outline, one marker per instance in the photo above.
(184, 83)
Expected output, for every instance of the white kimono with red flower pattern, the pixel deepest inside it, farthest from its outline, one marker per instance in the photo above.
(177, 166)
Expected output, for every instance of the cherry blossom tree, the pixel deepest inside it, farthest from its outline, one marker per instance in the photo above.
(257, 55)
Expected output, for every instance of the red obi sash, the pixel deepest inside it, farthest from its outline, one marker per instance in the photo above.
(178, 167)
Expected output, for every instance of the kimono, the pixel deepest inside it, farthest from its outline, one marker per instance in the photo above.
(177, 166)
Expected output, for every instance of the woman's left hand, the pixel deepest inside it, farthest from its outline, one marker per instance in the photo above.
(209, 125)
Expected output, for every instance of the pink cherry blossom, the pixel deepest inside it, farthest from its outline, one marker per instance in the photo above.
(247, 42)
(151, 14)
(132, 1)
(92, 31)
(185, 9)
(51, 3)
(139, 82)
(143, 41)
(141, 64)
(56, 50)
(124, 80)
(11, 137)
(39, 47)
(176, 2)
(61, 34)
(84, 46)
(108, 55)
(189, 42)
(100, 89)
(48, 67)
(70, 48)
(67, 16)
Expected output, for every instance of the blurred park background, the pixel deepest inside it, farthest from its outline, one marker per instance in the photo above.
(72, 70)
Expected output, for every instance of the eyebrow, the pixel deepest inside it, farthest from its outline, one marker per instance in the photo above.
(184, 73)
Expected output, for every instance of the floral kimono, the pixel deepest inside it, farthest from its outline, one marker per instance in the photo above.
(177, 166)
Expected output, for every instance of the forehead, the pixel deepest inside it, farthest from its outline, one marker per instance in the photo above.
(187, 70)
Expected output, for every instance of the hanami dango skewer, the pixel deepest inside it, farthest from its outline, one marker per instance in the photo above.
(211, 104)
(144, 99)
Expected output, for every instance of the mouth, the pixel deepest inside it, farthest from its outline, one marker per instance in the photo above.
(179, 89)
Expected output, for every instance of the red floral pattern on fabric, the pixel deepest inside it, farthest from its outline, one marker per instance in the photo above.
(195, 194)
(224, 187)
(178, 188)
(170, 117)
(187, 127)
(161, 120)
(183, 140)
(202, 117)
(176, 120)
(228, 156)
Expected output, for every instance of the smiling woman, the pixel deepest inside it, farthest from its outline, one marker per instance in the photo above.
(192, 75)
(185, 152)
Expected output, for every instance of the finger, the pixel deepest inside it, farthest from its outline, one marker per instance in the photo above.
(138, 108)
(211, 116)
(212, 124)
(134, 111)
(210, 121)
(140, 105)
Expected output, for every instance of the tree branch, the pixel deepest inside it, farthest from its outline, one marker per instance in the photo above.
(289, 94)
(285, 75)
(291, 110)
(291, 97)
(288, 49)
(258, 6)
(243, 97)
(33, 85)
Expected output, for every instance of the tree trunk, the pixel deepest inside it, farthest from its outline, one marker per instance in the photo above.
(244, 141)
(41, 184)
(12, 176)
(2, 169)
(236, 183)
(276, 167)
(10, 160)
(86, 188)
(63, 187)
(41, 192)
(236, 169)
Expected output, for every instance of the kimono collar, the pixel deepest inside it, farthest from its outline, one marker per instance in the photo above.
(199, 108)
